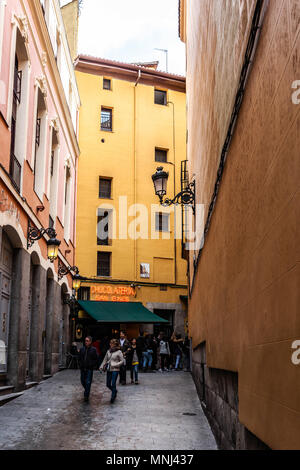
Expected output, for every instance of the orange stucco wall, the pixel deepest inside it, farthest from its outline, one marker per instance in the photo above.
(245, 302)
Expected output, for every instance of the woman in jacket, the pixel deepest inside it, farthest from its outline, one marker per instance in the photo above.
(112, 363)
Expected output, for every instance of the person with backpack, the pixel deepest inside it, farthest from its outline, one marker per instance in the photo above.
(164, 354)
(111, 364)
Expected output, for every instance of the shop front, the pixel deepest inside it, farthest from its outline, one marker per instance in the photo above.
(106, 308)
(101, 319)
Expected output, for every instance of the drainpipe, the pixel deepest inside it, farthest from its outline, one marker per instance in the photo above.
(134, 169)
(174, 166)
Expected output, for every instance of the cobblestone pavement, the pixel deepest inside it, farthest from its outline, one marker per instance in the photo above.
(150, 416)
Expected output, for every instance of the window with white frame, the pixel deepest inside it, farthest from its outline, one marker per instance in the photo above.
(53, 173)
(19, 110)
(67, 203)
(40, 144)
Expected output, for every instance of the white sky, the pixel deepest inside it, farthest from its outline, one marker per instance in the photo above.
(129, 30)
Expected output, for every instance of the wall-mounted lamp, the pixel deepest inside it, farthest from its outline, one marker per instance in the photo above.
(185, 197)
(64, 270)
(34, 234)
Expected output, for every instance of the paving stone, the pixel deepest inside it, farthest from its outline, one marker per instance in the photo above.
(53, 416)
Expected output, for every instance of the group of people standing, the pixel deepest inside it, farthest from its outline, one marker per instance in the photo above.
(145, 353)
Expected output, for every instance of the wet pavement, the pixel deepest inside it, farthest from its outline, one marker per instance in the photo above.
(163, 412)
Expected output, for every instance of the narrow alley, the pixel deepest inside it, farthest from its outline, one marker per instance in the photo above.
(163, 412)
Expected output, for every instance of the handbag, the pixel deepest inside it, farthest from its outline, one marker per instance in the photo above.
(105, 367)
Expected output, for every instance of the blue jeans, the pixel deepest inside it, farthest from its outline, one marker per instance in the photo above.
(111, 382)
(147, 358)
(86, 381)
(135, 370)
(178, 357)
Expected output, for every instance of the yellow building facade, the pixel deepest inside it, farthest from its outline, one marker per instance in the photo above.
(132, 120)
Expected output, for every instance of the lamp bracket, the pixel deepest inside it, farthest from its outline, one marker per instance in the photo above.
(34, 234)
(186, 197)
(64, 270)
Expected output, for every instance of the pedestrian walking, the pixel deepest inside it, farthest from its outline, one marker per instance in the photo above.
(177, 348)
(124, 345)
(133, 355)
(164, 353)
(186, 351)
(147, 353)
(141, 345)
(112, 363)
(88, 360)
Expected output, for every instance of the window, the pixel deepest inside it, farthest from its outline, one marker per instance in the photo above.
(67, 207)
(53, 177)
(18, 107)
(104, 226)
(161, 155)
(106, 119)
(105, 188)
(40, 145)
(103, 263)
(160, 97)
(43, 6)
(52, 163)
(84, 293)
(106, 84)
(15, 167)
(161, 222)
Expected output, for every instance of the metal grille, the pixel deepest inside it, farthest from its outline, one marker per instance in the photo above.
(161, 155)
(103, 263)
(104, 188)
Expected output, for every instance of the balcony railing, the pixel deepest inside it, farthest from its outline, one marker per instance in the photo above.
(15, 172)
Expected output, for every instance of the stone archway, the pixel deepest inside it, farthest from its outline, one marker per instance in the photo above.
(16, 289)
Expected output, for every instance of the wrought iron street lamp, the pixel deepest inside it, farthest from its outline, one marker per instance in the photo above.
(34, 234)
(64, 270)
(186, 197)
(76, 282)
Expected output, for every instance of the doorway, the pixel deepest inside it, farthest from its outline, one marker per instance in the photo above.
(6, 263)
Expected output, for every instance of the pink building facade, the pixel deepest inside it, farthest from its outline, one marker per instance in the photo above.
(39, 105)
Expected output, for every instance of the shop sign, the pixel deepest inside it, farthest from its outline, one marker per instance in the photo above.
(110, 293)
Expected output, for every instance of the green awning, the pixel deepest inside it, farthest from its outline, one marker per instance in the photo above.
(119, 312)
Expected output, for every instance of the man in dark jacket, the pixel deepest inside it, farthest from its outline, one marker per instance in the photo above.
(124, 346)
(88, 359)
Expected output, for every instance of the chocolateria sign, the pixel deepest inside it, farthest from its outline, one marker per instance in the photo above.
(109, 293)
